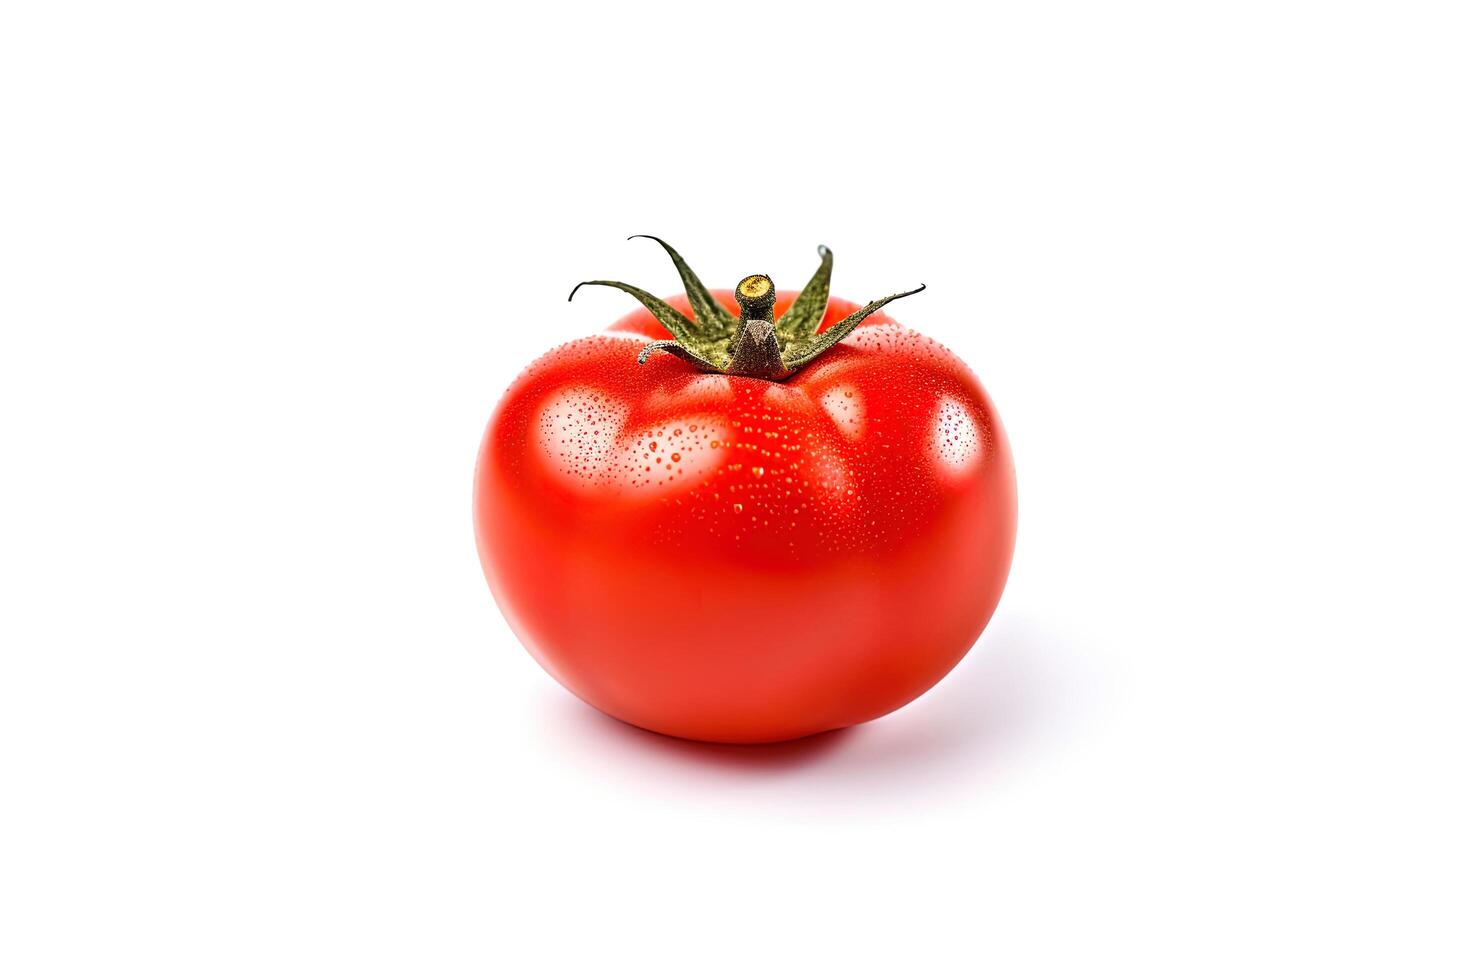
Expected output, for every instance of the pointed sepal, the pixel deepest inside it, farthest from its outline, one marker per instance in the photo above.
(678, 350)
(711, 319)
(676, 323)
(818, 345)
(800, 322)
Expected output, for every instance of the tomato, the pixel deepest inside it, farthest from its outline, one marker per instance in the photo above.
(737, 558)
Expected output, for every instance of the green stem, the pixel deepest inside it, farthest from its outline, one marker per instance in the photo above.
(754, 351)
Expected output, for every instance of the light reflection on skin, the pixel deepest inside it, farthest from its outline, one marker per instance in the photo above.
(844, 406)
(578, 428)
(583, 438)
(709, 389)
(957, 441)
(581, 433)
(779, 397)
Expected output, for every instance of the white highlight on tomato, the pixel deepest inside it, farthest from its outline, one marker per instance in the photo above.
(957, 440)
(585, 439)
(844, 405)
(578, 429)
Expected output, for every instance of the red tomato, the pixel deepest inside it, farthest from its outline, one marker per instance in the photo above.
(732, 559)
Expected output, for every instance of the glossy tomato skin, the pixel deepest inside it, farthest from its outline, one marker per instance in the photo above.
(737, 560)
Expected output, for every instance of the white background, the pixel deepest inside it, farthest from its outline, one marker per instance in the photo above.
(265, 269)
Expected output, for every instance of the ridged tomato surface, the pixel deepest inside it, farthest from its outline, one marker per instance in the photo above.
(737, 560)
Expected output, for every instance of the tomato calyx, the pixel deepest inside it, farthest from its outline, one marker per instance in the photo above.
(755, 344)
